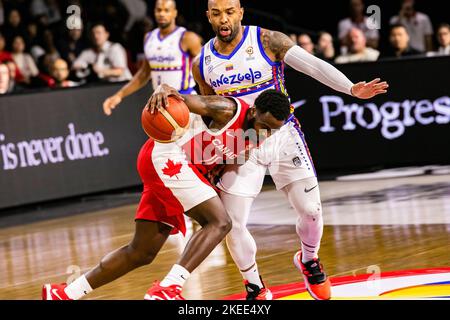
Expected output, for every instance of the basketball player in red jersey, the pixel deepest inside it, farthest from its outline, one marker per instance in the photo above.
(174, 185)
(242, 61)
(169, 51)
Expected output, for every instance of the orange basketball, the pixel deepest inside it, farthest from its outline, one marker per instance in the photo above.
(166, 125)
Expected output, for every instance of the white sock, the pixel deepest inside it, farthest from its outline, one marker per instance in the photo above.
(309, 252)
(78, 289)
(252, 276)
(177, 276)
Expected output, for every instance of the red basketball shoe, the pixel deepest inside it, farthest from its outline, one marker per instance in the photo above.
(54, 292)
(156, 292)
(316, 281)
(254, 292)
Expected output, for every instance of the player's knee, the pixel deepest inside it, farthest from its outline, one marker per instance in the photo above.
(225, 224)
(312, 209)
(140, 256)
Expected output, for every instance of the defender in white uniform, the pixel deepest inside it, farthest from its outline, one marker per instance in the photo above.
(169, 62)
(169, 51)
(242, 62)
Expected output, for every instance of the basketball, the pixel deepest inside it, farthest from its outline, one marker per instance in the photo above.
(169, 124)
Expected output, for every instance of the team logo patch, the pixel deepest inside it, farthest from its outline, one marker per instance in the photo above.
(207, 60)
(229, 67)
(250, 52)
(297, 162)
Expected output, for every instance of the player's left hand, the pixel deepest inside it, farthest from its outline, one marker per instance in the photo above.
(159, 98)
(364, 90)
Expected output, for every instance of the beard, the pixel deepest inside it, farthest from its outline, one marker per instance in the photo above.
(164, 25)
(230, 37)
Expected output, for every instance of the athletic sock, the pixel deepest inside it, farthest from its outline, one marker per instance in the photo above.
(252, 276)
(177, 276)
(78, 289)
(309, 252)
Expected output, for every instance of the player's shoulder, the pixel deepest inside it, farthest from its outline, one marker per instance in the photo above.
(191, 36)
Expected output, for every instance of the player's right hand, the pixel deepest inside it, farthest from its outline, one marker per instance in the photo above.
(159, 97)
(111, 103)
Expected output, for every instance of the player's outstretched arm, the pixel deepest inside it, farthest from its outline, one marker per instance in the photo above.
(280, 47)
(140, 79)
(220, 109)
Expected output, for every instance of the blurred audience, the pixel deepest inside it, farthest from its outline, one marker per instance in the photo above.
(305, 41)
(417, 24)
(72, 44)
(400, 43)
(23, 60)
(137, 10)
(4, 55)
(60, 74)
(107, 60)
(357, 19)
(443, 36)
(358, 50)
(4, 78)
(14, 26)
(325, 47)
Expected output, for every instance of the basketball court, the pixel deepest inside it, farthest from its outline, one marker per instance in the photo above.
(384, 238)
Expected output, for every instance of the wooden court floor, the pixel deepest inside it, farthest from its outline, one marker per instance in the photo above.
(58, 250)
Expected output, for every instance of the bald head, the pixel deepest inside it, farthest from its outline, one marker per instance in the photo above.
(218, 3)
(225, 17)
(60, 70)
(169, 2)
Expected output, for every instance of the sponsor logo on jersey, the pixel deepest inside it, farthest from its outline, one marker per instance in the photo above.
(236, 79)
(161, 59)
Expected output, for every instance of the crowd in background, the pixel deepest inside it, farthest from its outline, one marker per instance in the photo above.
(411, 33)
(43, 46)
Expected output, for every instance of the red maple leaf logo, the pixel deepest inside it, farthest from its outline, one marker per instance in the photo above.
(172, 169)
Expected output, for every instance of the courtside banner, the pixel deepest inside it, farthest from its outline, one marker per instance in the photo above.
(410, 125)
(60, 144)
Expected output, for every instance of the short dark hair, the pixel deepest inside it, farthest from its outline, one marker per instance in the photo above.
(443, 25)
(99, 24)
(274, 102)
(399, 25)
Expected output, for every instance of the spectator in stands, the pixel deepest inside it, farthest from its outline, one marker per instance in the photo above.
(325, 47)
(137, 10)
(4, 55)
(357, 19)
(60, 73)
(47, 11)
(14, 27)
(443, 35)
(13, 71)
(4, 78)
(73, 43)
(417, 24)
(399, 43)
(306, 43)
(23, 60)
(106, 59)
(358, 50)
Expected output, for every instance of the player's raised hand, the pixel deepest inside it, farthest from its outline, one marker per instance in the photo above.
(111, 103)
(364, 90)
(160, 95)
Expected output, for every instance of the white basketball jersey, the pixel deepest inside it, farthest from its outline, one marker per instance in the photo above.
(168, 62)
(246, 72)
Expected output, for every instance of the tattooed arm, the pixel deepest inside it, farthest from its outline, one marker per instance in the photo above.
(279, 47)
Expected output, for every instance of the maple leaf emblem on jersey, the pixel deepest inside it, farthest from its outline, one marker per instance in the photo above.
(172, 169)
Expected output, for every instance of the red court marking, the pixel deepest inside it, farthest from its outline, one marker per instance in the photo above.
(299, 287)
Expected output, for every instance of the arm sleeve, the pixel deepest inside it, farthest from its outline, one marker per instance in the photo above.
(322, 71)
